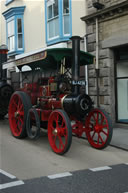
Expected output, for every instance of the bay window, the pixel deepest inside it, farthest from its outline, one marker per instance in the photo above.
(58, 20)
(15, 30)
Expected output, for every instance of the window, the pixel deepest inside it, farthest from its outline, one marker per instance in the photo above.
(58, 20)
(66, 17)
(19, 33)
(11, 35)
(15, 30)
(53, 19)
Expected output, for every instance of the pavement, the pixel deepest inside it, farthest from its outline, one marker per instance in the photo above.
(120, 138)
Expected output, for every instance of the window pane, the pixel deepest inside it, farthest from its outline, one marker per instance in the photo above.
(8, 43)
(122, 97)
(53, 27)
(11, 43)
(50, 12)
(65, 6)
(55, 8)
(19, 26)
(122, 69)
(66, 24)
(20, 45)
(11, 28)
(56, 26)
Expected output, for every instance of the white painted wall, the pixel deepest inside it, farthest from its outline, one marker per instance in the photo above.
(78, 11)
(34, 21)
(2, 24)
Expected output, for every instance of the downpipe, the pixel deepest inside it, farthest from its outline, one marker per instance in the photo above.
(97, 61)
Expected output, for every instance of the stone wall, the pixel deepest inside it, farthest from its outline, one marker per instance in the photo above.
(112, 31)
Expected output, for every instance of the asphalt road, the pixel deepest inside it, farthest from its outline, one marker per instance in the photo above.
(112, 179)
(29, 163)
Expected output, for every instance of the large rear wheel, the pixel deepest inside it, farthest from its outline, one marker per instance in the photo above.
(18, 109)
(59, 132)
(98, 129)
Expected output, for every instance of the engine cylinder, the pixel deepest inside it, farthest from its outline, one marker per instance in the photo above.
(78, 105)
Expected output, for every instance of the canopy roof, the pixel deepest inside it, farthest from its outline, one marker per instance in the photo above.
(51, 59)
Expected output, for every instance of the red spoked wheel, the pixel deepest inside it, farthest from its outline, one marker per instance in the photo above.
(98, 129)
(59, 132)
(18, 109)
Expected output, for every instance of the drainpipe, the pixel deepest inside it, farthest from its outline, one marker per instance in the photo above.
(97, 60)
(86, 67)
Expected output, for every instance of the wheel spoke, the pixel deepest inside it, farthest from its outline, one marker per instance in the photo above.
(16, 122)
(103, 126)
(60, 143)
(64, 133)
(21, 106)
(21, 113)
(104, 132)
(100, 138)
(94, 117)
(55, 137)
(93, 134)
(14, 104)
(57, 120)
(21, 120)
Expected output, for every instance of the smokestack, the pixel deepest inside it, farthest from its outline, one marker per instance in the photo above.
(75, 62)
(3, 58)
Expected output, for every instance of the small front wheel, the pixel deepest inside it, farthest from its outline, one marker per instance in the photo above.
(59, 132)
(98, 128)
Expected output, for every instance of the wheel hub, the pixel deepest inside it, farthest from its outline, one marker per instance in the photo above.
(55, 132)
(97, 128)
(16, 114)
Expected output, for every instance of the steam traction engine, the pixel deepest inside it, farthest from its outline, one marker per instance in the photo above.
(6, 90)
(55, 103)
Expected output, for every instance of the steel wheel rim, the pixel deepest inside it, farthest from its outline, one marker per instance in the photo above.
(16, 115)
(57, 132)
(97, 130)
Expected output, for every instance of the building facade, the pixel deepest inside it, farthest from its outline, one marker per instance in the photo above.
(107, 36)
(29, 27)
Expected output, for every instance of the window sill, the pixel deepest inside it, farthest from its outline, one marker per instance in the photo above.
(13, 53)
(57, 40)
(7, 3)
